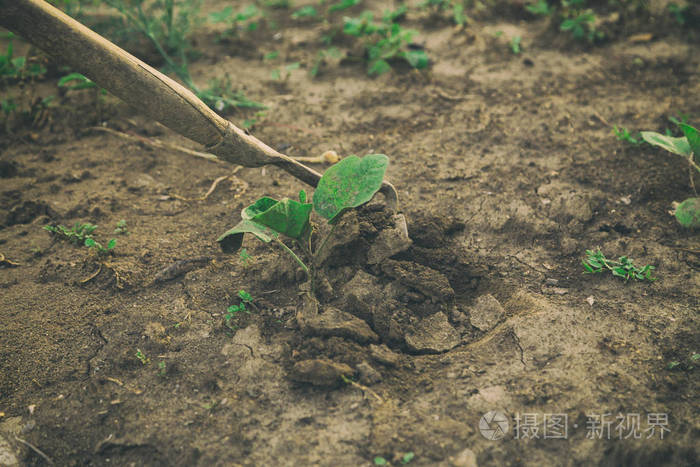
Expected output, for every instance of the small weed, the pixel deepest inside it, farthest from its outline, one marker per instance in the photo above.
(343, 5)
(329, 53)
(454, 7)
(540, 8)
(379, 460)
(142, 357)
(307, 11)
(121, 228)
(581, 25)
(407, 458)
(515, 45)
(385, 41)
(247, 19)
(245, 301)
(688, 147)
(12, 67)
(271, 55)
(220, 96)
(81, 234)
(623, 134)
(245, 257)
(285, 75)
(162, 369)
(624, 267)
(686, 365)
(75, 81)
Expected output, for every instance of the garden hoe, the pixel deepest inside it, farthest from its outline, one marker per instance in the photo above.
(146, 89)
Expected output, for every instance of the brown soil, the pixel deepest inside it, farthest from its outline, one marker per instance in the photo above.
(507, 172)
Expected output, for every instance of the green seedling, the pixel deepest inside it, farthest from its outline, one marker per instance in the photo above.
(245, 301)
(247, 19)
(220, 96)
(12, 67)
(162, 370)
(81, 234)
(379, 460)
(385, 41)
(121, 228)
(407, 458)
(515, 45)
(348, 184)
(343, 5)
(454, 7)
(245, 257)
(623, 134)
(540, 8)
(284, 76)
(687, 365)
(624, 267)
(142, 357)
(688, 147)
(304, 12)
(322, 56)
(75, 82)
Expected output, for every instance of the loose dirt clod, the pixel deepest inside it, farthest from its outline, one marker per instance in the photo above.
(320, 372)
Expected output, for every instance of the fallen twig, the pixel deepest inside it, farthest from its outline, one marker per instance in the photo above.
(4, 260)
(35, 449)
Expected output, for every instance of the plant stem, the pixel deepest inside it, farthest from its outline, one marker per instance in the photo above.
(296, 258)
(325, 240)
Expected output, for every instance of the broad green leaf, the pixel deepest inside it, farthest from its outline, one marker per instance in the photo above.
(348, 184)
(688, 213)
(693, 137)
(378, 67)
(417, 58)
(232, 239)
(258, 207)
(678, 146)
(111, 244)
(288, 217)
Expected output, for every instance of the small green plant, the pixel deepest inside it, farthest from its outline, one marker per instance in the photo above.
(348, 184)
(343, 5)
(247, 19)
(379, 460)
(407, 458)
(81, 234)
(515, 45)
(279, 76)
(75, 81)
(540, 8)
(142, 357)
(245, 257)
(121, 228)
(688, 147)
(162, 369)
(385, 41)
(245, 301)
(220, 96)
(581, 25)
(686, 365)
(307, 11)
(624, 267)
(623, 134)
(454, 7)
(12, 67)
(322, 56)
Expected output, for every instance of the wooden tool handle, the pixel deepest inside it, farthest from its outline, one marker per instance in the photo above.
(114, 69)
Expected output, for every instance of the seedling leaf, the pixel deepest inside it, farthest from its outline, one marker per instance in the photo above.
(417, 58)
(688, 213)
(348, 184)
(678, 146)
(258, 207)
(286, 216)
(693, 137)
(232, 239)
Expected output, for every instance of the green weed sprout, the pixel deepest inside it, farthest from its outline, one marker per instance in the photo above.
(142, 357)
(623, 134)
(232, 311)
(81, 234)
(121, 228)
(688, 147)
(348, 184)
(385, 41)
(624, 267)
(75, 82)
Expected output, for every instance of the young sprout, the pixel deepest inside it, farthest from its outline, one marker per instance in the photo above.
(328, 158)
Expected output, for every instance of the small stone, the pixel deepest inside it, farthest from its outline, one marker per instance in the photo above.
(486, 313)
(433, 334)
(389, 242)
(465, 458)
(320, 372)
(368, 375)
(338, 323)
(590, 300)
(382, 354)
